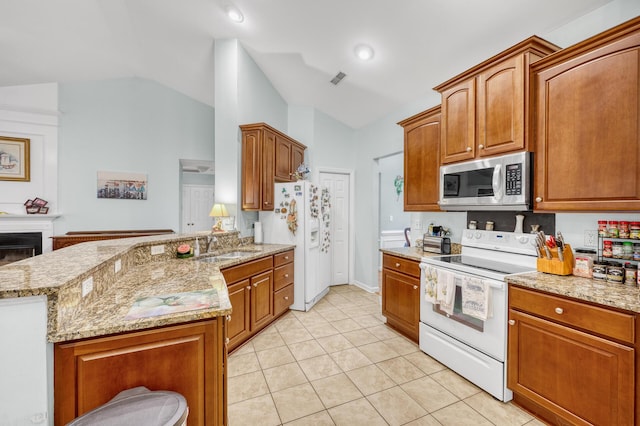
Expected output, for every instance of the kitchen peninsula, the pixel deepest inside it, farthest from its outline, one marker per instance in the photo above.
(90, 289)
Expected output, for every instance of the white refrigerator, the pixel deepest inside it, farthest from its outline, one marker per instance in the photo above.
(296, 219)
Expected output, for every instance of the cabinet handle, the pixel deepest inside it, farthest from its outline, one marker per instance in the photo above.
(538, 199)
(481, 146)
(468, 149)
(415, 287)
(512, 322)
(397, 265)
(559, 311)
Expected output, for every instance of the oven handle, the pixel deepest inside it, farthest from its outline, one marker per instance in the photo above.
(492, 283)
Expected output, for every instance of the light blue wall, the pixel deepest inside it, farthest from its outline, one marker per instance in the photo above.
(132, 125)
(392, 214)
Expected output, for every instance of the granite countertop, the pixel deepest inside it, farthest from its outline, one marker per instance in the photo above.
(59, 276)
(416, 253)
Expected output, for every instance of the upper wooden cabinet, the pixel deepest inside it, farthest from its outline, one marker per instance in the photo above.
(422, 160)
(268, 156)
(586, 124)
(485, 109)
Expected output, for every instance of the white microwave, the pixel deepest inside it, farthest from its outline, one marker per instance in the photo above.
(493, 183)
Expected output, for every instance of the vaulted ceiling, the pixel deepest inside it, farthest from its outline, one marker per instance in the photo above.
(300, 45)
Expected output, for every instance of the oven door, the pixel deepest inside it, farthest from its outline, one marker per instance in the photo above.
(487, 336)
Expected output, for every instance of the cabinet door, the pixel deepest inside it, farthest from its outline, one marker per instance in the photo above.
(268, 169)
(401, 302)
(579, 377)
(251, 175)
(297, 157)
(458, 122)
(501, 108)
(283, 159)
(239, 326)
(422, 163)
(587, 120)
(261, 300)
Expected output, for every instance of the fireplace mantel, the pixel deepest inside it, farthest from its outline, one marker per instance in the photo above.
(30, 223)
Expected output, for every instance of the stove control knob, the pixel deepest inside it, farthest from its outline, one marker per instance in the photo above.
(470, 234)
(478, 235)
(523, 240)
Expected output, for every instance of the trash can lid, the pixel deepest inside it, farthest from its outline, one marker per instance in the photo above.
(138, 406)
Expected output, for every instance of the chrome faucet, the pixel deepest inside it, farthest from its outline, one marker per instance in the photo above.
(210, 239)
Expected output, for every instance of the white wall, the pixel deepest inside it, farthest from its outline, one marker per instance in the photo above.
(392, 214)
(131, 125)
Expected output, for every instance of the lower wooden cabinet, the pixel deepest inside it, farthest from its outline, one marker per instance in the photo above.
(571, 362)
(401, 294)
(189, 359)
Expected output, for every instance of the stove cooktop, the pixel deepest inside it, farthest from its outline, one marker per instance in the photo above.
(478, 266)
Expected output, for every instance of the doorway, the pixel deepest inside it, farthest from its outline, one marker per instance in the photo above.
(196, 204)
(336, 259)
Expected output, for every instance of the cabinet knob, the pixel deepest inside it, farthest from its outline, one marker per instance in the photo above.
(248, 287)
(481, 146)
(538, 199)
(226, 341)
(512, 322)
(286, 298)
(228, 318)
(255, 285)
(415, 287)
(397, 265)
(559, 311)
(266, 202)
(286, 258)
(468, 149)
(286, 275)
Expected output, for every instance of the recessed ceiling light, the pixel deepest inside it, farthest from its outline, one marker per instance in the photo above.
(364, 52)
(234, 14)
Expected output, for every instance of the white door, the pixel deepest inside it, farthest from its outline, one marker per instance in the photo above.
(197, 201)
(334, 263)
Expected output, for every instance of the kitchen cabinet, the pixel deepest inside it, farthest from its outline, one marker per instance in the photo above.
(586, 112)
(485, 109)
(571, 362)
(268, 156)
(422, 160)
(401, 294)
(88, 373)
(260, 291)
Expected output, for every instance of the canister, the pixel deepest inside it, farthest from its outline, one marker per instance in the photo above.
(630, 274)
(615, 273)
(583, 266)
(600, 271)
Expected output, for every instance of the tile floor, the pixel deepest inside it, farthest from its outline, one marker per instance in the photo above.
(338, 364)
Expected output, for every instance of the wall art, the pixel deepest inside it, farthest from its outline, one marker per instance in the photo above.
(14, 159)
(122, 185)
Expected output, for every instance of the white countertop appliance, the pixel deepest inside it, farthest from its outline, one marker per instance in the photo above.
(474, 348)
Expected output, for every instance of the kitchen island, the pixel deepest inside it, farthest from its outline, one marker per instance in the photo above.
(90, 289)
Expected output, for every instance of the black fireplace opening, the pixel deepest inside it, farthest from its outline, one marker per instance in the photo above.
(19, 245)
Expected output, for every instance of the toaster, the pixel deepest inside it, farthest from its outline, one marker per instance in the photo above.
(441, 245)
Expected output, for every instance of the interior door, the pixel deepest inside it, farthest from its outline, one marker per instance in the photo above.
(334, 262)
(196, 204)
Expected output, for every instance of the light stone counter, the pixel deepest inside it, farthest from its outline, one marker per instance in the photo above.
(59, 276)
(415, 253)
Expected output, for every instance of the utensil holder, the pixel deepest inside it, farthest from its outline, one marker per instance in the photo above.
(554, 265)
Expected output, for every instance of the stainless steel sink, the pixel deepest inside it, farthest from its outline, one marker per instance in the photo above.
(226, 256)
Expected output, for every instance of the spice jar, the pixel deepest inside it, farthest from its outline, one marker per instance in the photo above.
(617, 250)
(472, 224)
(488, 226)
(630, 274)
(627, 250)
(602, 228)
(634, 230)
(612, 229)
(600, 270)
(636, 251)
(615, 274)
(624, 229)
(607, 250)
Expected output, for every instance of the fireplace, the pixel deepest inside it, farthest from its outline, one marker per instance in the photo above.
(16, 246)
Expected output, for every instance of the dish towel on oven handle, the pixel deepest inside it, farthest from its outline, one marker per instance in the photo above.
(446, 290)
(476, 298)
(429, 283)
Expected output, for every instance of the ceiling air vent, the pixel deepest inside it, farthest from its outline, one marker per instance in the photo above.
(338, 78)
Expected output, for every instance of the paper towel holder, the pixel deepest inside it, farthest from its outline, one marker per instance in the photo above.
(257, 233)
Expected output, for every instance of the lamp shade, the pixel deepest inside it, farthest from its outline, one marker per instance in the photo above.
(218, 210)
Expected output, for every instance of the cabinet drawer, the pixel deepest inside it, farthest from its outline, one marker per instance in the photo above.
(606, 322)
(282, 299)
(241, 272)
(283, 276)
(282, 258)
(402, 265)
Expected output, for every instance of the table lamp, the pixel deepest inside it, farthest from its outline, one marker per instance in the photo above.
(218, 211)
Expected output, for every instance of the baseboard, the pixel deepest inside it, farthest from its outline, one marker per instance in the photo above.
(366, 287)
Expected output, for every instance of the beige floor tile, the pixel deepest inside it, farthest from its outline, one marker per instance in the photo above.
(256, 411)
(246, 386)
(334, 343)
(497, 412)
(308, 349)
(354, 311)
(368, 321)
(274, 357)
(343, 288)
(402, 345)
(346, 325)
(360, 337)
(535, 422)
(370, 379)
(400, 370)
(319, 367)
(396, 406)
(242, 364)
(295, 335)
(296, 402)
(350, 359)
(336, 390)
(267, 341)
(247, 348)
(378, 351)
(382, 332)
(319, 419)
(322, 330)
(460, 414)
(424, 362)
(333, 314)
(310, 318)
(284, 376)
(430, 394)
(456, 384)
(356, 413)
(427, 420)
(288, 322)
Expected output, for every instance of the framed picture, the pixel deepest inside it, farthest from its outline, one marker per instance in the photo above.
(451, 185)
(122, 185)
(14, 159)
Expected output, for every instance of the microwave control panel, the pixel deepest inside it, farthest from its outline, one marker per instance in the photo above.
(513, 179)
